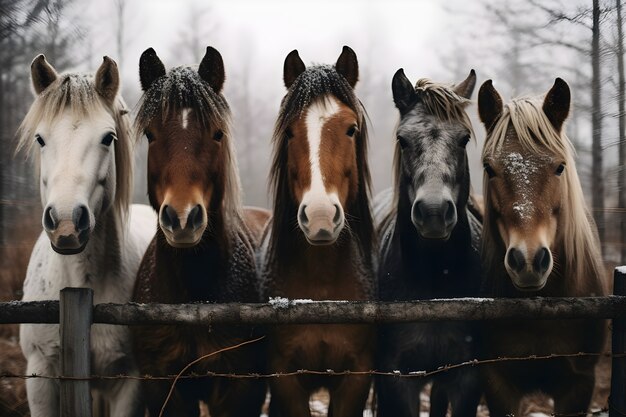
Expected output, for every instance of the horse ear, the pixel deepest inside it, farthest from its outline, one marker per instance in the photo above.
(150, 68)
(489, 104)
(557, 102)
(466, 87)
(108, 79)
(348, 66)
(42, 73)
(292, 68)
(211, 69)
(404, 94)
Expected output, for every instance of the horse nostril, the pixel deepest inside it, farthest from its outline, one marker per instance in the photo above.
(416, 213)
(80, 218)
(516, 260)
(49, 221)
(302, 217)
(541, 262)
(450, 213)
(169, 218)
(337, 218)
(195, 218)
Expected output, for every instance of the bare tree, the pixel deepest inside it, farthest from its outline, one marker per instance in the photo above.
(621, 100)
(596, 125)
(120, 13)
(192, 40)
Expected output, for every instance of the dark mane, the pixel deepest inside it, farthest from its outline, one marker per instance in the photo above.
(313, 84)
(181, 88)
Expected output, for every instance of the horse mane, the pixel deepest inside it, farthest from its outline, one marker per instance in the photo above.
(182, 87)
(576, 230)
(313, 85)
(444, 103)
(77, 93)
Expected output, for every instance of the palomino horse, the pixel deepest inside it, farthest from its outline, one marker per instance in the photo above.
(318, 245)
(203, 250)
(429, 248)
(81, 130)
(537, 241)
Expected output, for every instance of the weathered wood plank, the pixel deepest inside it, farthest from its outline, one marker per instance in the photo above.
(328, 311)
(76, 307)
(362, 312)
(29, 312)
(617, 398)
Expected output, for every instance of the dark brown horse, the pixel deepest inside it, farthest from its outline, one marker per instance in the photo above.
(203, 250)
(537, 241)
(319, 244)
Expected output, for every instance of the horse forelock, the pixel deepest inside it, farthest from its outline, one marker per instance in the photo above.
(183, 91)
(314, 85)
(74, 94)
(535, 134)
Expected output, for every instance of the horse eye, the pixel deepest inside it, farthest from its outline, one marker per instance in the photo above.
(464, 141)
(218, 136)
(40, 141)
(288, 133)
(149, 136)
(402, 141)
(351, 131)
(560, 170)
(490, 172)
(108, 139)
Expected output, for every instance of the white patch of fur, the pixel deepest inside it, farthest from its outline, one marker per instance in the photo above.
(72, 162)
(184, 115)
(316, 117)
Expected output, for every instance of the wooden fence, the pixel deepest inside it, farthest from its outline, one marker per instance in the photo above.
(75, 313)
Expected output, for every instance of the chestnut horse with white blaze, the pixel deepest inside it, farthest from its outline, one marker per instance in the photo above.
(92, 238)
(319, 243)
(538, 240)
(205, 242)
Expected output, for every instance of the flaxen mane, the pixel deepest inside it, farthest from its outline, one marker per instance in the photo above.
(77, 94)
(536, 134)
(313, 85)
(441, 101)
(181, 88)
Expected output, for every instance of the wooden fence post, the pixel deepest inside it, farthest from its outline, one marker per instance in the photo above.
(76, 308)
(617, 399)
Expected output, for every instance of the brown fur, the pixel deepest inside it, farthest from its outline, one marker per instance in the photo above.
(339, 271)
(525, 127)
(192, 165)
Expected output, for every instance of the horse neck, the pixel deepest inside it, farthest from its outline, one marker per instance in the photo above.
(194, 274)
(101, 258)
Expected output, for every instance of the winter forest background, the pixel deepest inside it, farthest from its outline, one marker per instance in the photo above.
(521, 44)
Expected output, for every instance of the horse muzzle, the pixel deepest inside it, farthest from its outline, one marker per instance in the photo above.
(68, 237)
(434, 218)
(528, 274)
(321, 223)
(183, 228)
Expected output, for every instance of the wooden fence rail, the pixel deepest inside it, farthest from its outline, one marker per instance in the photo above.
(327, 312)
(76, 313)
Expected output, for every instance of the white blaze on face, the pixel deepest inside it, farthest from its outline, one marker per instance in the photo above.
(318, 203)
(184, 116)
(317, 116)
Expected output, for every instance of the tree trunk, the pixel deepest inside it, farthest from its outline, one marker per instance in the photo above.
(597, 180)
(621, 172)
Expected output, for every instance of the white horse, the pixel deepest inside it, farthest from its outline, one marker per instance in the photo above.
(81, 129)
